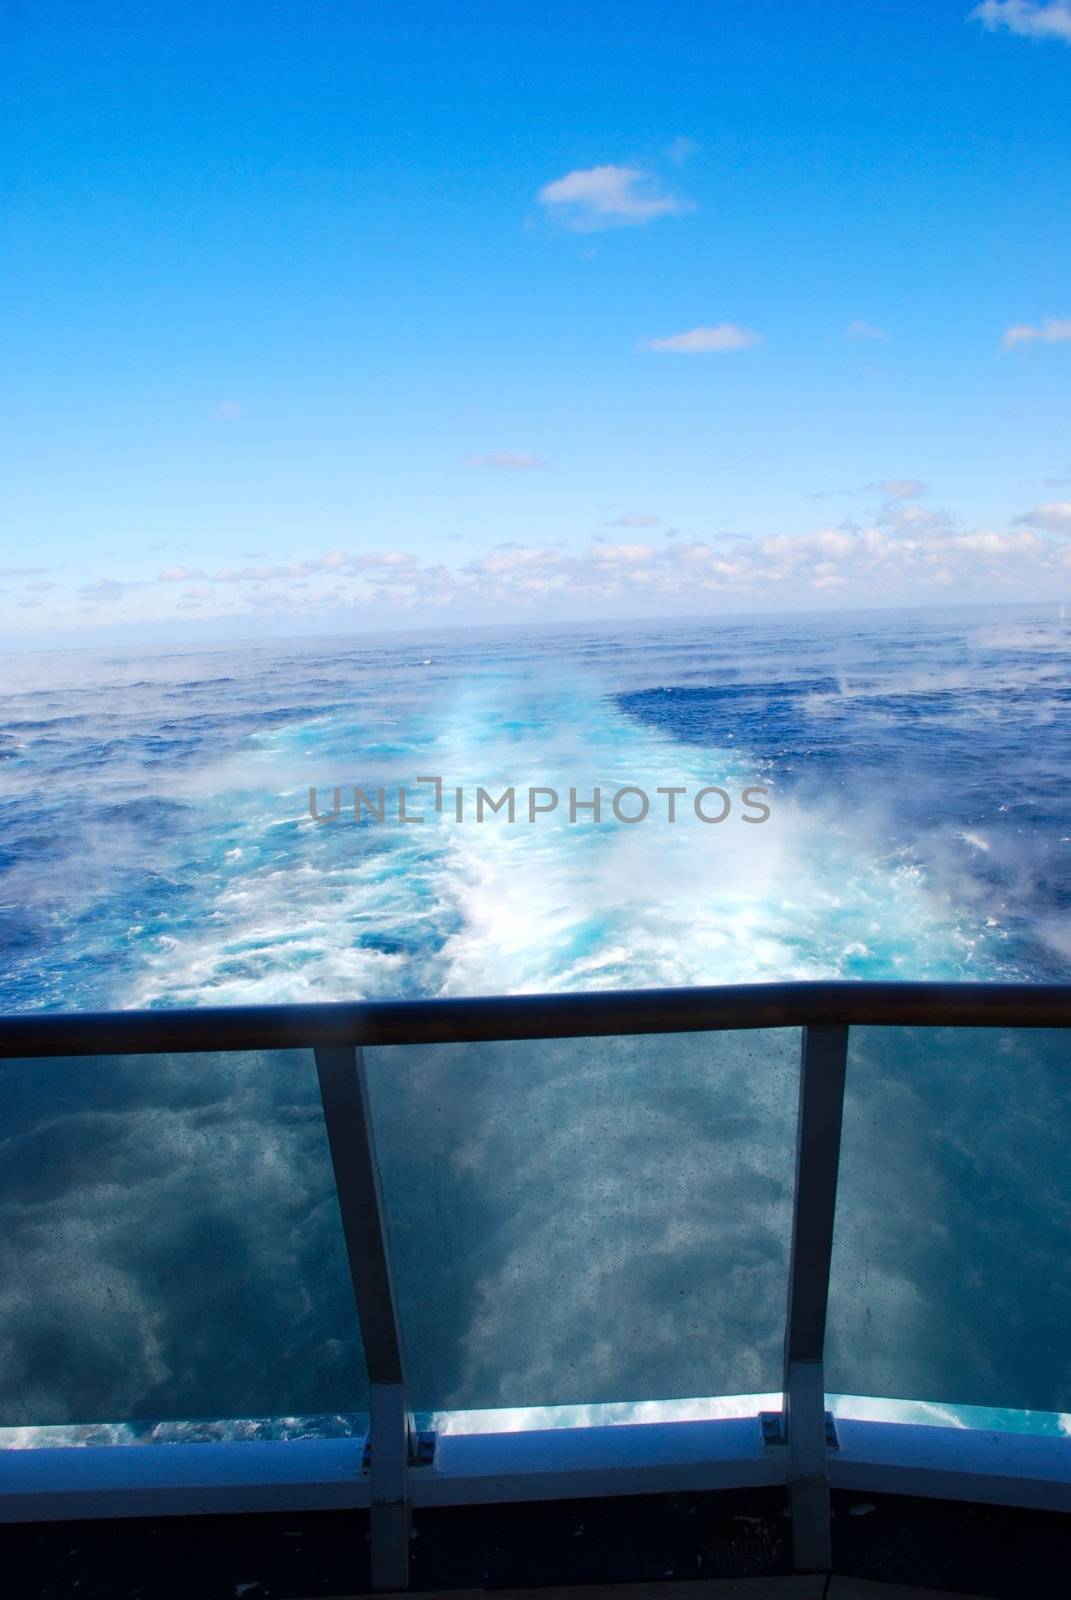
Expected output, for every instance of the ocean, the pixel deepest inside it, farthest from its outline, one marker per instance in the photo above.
(575, 1225)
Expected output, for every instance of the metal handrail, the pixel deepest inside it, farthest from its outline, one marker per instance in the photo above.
(544, 1016)
(337, 1031)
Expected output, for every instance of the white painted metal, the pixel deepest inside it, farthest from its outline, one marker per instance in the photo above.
(348, 1116)
(1027, 1470)
(1002, 1469)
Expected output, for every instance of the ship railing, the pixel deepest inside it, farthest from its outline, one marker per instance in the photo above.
(396, 1468)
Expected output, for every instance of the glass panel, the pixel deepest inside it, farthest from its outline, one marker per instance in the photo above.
(170, 1244)
(950, 1277)
(575, 1221)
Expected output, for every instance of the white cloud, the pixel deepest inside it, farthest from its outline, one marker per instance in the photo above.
(622, 554)
(229, 409)
(1054, 516)
(1051, 331)
(901, 488)
(865, 330)
(700, 341)
(997, 544)
(508, 461)
(903, 552)
(516, 557)
(383, 558)
(871, 562)
(636, 519)
(103, 589)
(608, 197)
(1032, 19)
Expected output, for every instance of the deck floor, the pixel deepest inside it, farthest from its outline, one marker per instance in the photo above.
(794, 1588)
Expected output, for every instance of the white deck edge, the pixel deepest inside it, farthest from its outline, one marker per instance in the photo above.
(54, 1484)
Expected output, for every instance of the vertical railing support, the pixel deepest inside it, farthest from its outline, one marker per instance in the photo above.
(344, 1090)
(821, 1108)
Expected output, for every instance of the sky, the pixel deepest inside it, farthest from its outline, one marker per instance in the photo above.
(337, 317)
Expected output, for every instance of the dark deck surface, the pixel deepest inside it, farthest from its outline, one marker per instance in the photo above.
(664, 1543)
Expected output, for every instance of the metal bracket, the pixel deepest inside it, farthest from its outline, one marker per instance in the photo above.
(422, 1447)
(775, 1433)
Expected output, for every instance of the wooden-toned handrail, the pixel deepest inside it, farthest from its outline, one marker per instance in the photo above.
(544, 1016)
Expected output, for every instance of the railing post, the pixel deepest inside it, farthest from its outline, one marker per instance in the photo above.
(344, 1090)
(821, 1107)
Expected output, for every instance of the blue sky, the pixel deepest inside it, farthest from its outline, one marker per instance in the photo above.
(326, 316)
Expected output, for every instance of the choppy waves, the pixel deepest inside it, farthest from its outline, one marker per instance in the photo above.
(157, 850)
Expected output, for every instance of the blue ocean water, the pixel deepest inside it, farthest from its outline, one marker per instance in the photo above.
(168, 1229)
(157, 847)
